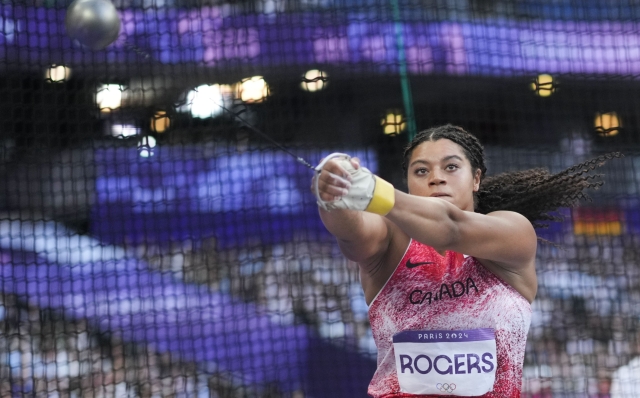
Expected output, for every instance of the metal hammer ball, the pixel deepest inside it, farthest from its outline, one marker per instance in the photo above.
(94, 23)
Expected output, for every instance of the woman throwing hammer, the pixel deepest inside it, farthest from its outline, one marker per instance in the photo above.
(448, 270)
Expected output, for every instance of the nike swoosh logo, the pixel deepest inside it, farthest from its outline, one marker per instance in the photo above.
(413, 265)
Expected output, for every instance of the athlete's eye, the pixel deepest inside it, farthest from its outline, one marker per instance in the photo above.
(452, 166)
(420, 171)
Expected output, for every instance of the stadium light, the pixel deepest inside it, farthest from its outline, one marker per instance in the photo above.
(607, 124)
(544, 85)
(160, 122)
(124, 130)
(314, 80)
(57, 74)
(253, 89)
(204, 101)
(393, 123)
(146, 145)
(109, 97)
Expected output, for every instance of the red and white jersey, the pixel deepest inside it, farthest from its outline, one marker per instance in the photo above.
(430, 292)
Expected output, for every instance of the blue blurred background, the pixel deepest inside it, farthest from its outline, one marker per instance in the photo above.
(153, 246)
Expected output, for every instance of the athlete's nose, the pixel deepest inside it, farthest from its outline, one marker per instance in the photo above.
(436, 177)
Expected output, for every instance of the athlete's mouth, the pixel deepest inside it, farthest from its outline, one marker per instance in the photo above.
(438, 195)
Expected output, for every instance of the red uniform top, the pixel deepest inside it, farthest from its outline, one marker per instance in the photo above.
(430, 292)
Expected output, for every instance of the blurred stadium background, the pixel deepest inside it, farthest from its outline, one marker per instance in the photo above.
(151, 246)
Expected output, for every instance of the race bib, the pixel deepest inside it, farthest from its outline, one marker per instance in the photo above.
(447, 362)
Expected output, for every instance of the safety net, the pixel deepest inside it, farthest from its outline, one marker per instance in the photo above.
(158, 234)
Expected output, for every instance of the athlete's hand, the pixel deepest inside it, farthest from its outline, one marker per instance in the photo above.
(340, 183)
(334, 181)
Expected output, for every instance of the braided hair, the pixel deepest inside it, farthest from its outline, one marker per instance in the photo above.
(533, 193)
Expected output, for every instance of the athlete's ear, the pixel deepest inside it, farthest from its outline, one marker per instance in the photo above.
(476, 180)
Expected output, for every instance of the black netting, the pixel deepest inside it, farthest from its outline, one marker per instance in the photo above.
(153, 244)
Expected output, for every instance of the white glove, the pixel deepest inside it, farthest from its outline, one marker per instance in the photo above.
(368, 192)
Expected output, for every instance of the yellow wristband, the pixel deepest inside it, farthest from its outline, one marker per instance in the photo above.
(384, 197)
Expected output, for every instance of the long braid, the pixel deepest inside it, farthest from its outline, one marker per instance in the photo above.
(534, 193)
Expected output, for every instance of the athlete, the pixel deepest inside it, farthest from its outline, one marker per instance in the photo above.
(448, 269)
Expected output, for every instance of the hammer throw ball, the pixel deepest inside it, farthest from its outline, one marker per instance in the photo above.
(93, 23)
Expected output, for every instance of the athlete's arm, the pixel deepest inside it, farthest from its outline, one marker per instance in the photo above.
(362, 237)
(504, 237)
(503, 241)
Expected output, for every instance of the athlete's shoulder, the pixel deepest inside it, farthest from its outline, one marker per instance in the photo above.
(515, 220)
(509, 215)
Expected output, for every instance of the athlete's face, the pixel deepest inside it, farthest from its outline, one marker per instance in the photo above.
(441, 169)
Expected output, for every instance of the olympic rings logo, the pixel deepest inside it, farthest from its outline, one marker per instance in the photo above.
(446, 387)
